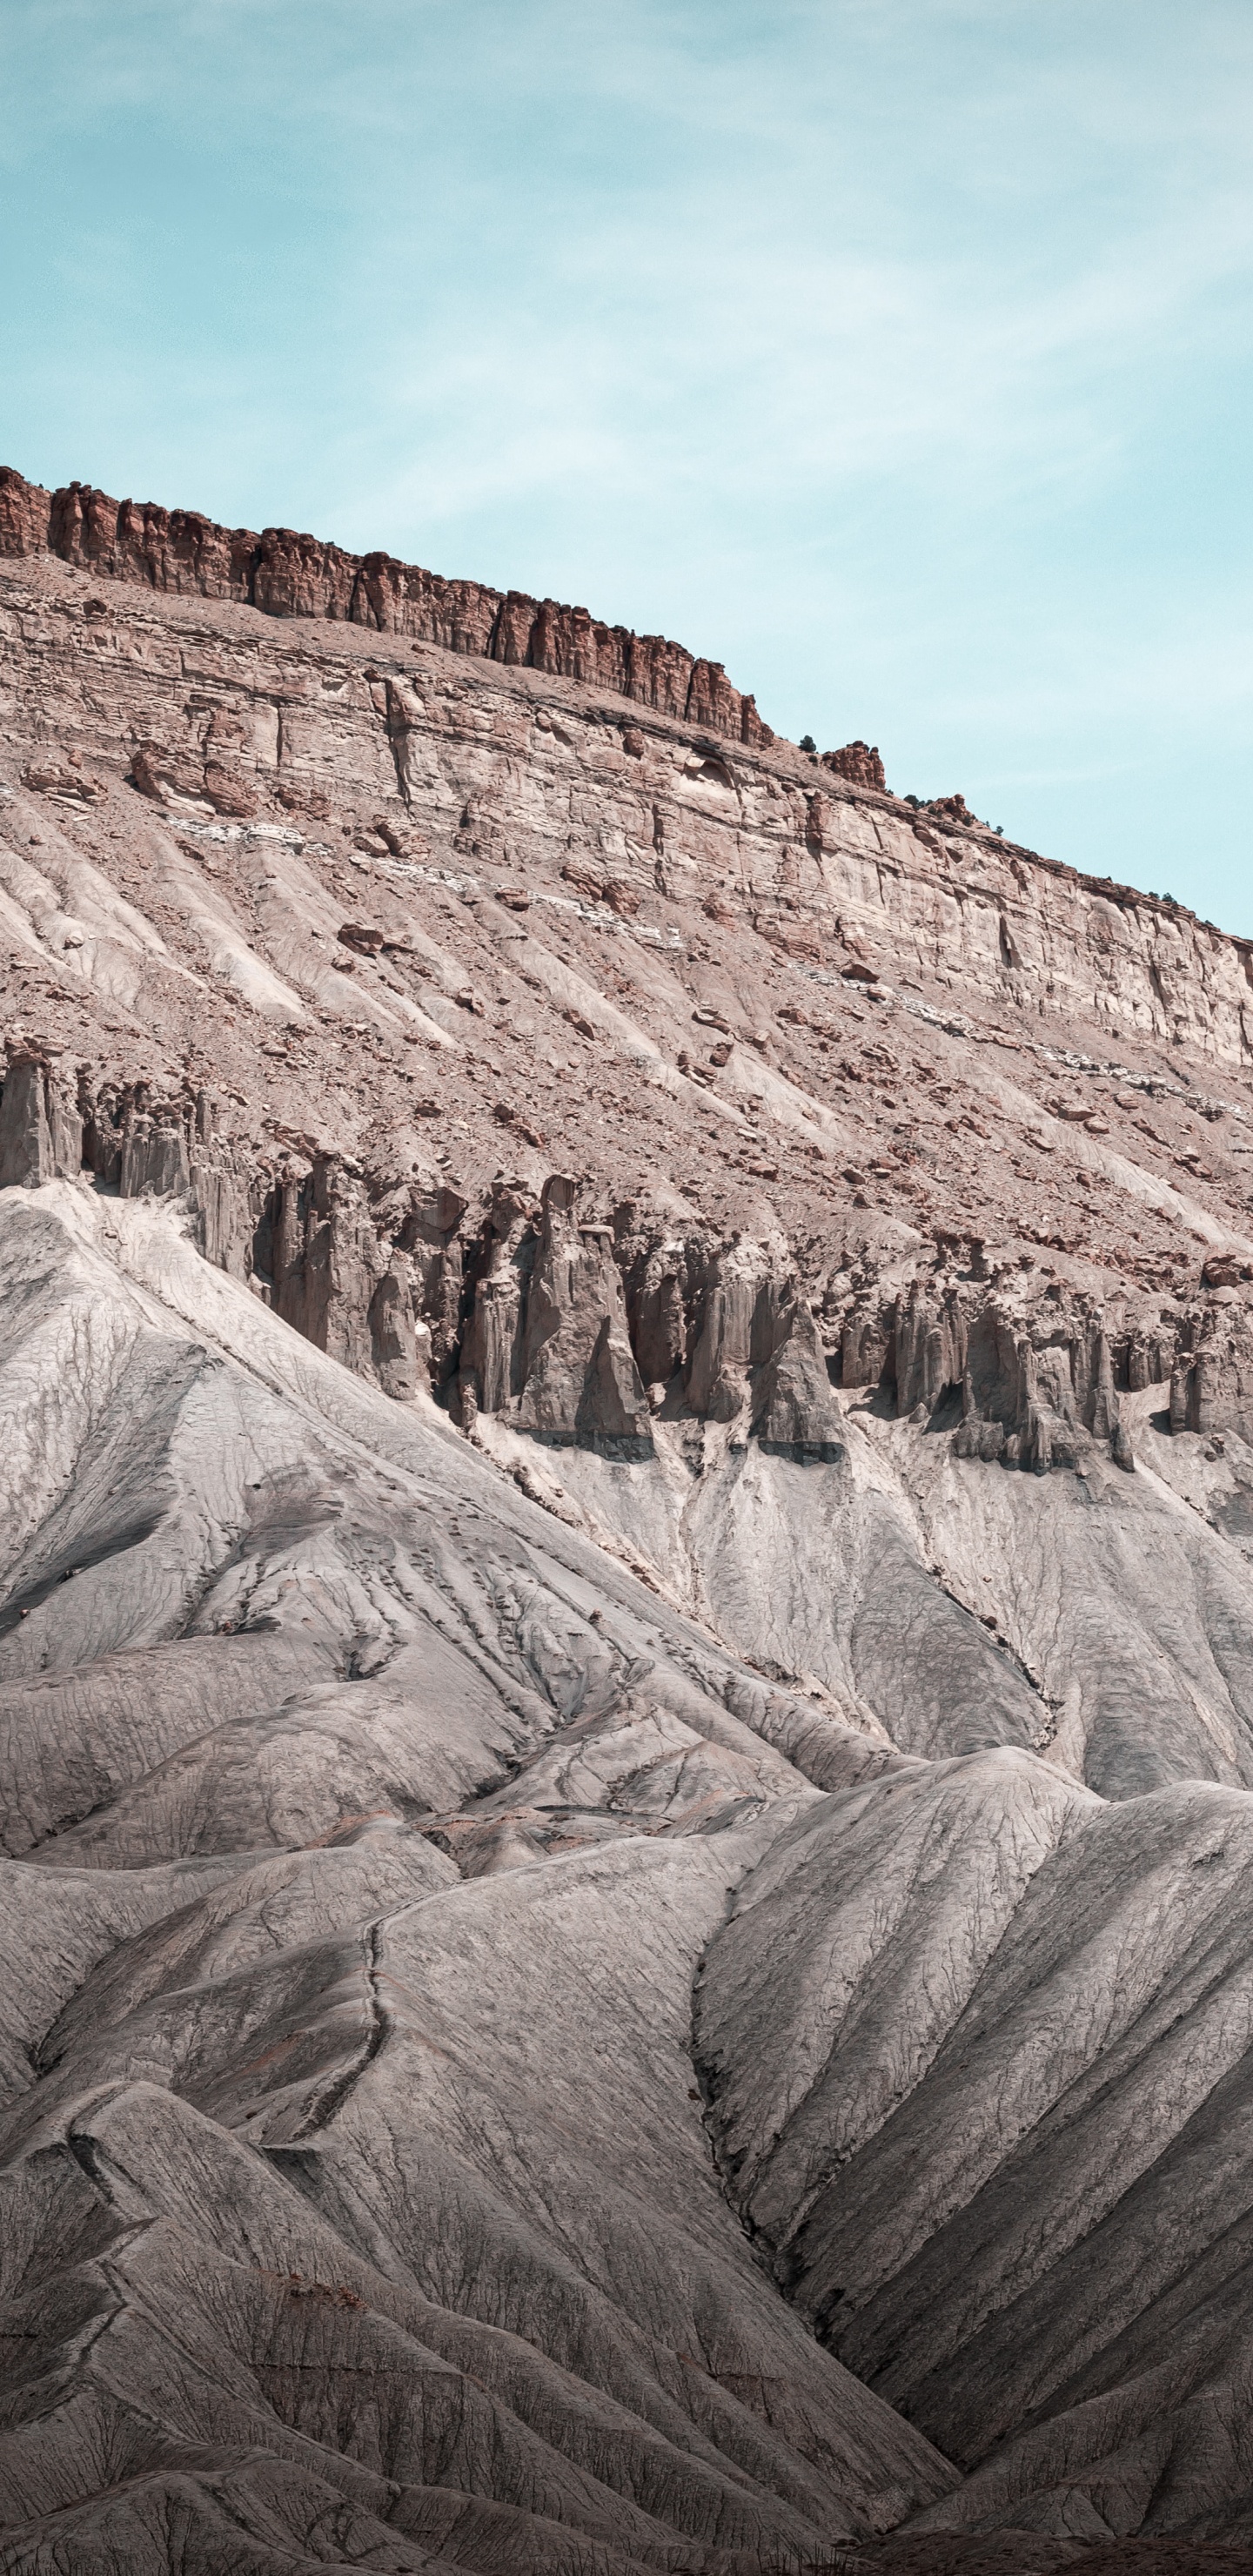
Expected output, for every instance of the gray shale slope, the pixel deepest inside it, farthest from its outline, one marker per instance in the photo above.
(626, 1623)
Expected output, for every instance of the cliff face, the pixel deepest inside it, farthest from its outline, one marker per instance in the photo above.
(287, 575)
(224, 716)
(595, 1074)
(627, 1614)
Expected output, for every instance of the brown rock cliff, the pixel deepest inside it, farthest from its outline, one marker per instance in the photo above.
(288, 575)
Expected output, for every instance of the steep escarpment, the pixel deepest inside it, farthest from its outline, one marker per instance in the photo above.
(626, 1629)
(287, 575)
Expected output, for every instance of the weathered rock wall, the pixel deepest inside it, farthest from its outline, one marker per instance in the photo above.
(580, 1330)
(523, 774)
(287, 575)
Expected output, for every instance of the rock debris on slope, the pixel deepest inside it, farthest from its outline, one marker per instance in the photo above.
(626, 1641)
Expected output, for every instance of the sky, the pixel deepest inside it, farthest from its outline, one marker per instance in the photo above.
(896, 353)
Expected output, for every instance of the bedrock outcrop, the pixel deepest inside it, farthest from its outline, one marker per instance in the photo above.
(626, 1617)
(287, 575)
(562, 1319)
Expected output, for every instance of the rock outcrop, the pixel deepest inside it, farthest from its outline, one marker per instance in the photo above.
(1033, 1374)
(625, 1925)
(286, 575)
(859, 762)
(1211, 1379)
(579, 1381)
(40, 1131)
(561, 1320)
(793, 1414)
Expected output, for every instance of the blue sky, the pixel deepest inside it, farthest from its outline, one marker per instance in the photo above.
(897, 353)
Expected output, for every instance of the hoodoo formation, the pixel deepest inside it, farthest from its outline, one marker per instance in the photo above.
(626, 1632)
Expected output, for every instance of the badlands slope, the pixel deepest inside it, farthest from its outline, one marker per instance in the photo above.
(626, 1630)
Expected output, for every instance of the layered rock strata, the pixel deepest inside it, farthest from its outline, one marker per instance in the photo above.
(287, 575)
(625, 1925)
